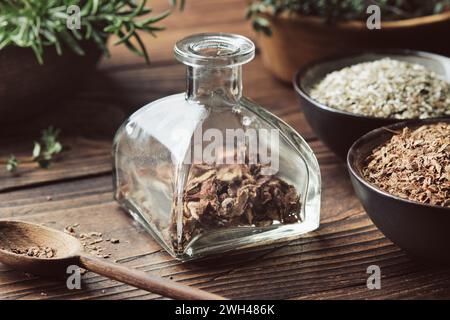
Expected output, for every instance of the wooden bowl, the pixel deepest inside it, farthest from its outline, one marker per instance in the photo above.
(420, 229)
(339, 129)
(297, 40)
(27, 88)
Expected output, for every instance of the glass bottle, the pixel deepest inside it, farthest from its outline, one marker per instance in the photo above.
(208, 170)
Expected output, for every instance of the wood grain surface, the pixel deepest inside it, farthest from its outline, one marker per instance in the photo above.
(329, 263)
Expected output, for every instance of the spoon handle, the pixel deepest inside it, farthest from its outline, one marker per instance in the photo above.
(142, 280)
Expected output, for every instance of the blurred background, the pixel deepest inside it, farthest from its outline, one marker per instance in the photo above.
(51, 75)
(47, 69)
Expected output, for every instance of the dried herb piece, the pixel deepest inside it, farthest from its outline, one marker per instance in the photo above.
(91, 241)
(233, 195)
(36, 252)
(414, 164)
(385, 88)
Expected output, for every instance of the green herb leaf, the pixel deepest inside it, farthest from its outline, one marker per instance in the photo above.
(38, 24)
(36, 150)
(44, 151)
(51, 146)
(336, 10)
(12, 164)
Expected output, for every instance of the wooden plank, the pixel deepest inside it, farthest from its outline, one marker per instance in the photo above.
(86, 157)
(90, 119)
(328, 263)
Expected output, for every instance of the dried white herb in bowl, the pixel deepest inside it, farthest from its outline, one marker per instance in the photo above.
(385, 88)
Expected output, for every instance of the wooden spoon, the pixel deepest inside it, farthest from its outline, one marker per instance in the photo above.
(68, 251)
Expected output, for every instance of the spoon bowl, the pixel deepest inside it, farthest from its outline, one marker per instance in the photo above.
(16, 235)
(17, 238)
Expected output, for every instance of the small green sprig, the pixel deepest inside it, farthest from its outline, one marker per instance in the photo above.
(12, 163)
(38, 24)
(47, 148)
(44, 151)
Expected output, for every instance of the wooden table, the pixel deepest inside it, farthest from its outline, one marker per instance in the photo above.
(328, 263)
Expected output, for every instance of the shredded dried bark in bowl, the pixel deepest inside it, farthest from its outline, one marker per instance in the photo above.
(233, 195)
(414, 164)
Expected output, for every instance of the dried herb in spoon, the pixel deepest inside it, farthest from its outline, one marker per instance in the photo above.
(36, 252)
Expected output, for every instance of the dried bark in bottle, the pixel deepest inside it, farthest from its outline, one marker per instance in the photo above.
(233, 195)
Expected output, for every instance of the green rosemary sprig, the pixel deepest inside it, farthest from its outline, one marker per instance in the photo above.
(12, 163)
(47, 148)
(44, 151)
(338, 10)
(38, 24)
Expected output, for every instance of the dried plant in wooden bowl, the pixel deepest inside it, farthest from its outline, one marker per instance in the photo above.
(294, 32)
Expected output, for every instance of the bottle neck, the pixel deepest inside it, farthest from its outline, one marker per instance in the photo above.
(206, 83)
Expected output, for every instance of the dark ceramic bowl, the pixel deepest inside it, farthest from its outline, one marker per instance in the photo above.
(339, 129)
(420, 229)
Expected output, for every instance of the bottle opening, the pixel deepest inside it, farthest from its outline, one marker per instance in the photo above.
(214, 50)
